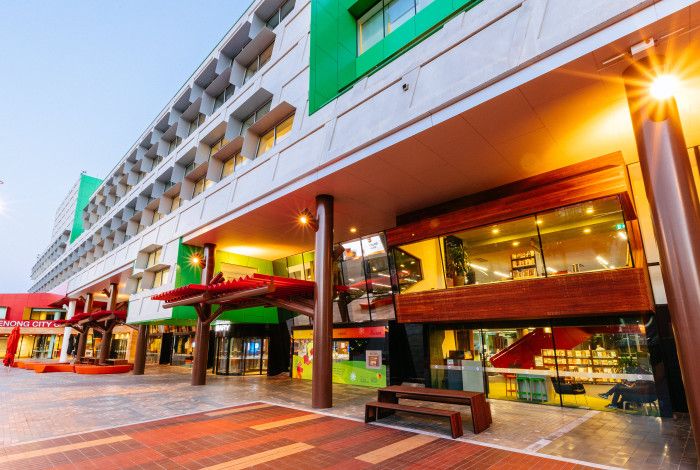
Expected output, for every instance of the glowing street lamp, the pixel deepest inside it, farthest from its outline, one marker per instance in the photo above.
(663, 87)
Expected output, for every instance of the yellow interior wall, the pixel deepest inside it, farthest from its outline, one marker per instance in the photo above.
(428, 251)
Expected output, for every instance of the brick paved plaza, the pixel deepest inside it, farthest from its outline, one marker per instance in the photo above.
(160, 421)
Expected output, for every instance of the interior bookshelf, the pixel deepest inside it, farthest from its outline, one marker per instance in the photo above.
(582, 361)
(523, 265)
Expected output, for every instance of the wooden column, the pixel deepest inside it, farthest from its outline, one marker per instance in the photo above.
(201, 341)
(107, 333)
(82, 339)
(322, 374)
(673, 196)
(140, 356)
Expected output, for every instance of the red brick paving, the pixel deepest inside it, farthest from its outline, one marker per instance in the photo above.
(197, 441)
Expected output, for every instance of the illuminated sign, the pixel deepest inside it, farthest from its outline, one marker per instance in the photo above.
(29, 323)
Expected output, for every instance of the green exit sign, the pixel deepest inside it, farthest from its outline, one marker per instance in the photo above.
(620, 227)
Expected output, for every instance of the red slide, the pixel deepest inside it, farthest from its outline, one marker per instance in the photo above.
(521, 354)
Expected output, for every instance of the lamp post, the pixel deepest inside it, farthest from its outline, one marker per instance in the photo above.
(673, 196)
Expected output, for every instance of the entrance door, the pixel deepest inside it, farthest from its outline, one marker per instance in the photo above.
(255, 351)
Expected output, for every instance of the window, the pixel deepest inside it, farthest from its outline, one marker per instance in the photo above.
(190, 166)
(177, 201)
(161, 277)
(584, 237)
(201, 185)
(255, 117)
(195, 123)
(138, 288)
(174, 143)
(218, 145)
(156, 161)
(154, 257)
(157, 216)
(3, 313)
(280, 14)
(275, 135)
(384, 18)
(222, 97)
(232, 164)
(590, 236)
(258, 63)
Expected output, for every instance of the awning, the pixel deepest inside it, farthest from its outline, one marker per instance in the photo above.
(256, 290)
(95, 317)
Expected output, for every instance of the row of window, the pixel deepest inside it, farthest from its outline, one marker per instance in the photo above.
(280, 14)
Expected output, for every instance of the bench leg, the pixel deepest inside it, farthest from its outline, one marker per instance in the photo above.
(370, 414)
(456, 426)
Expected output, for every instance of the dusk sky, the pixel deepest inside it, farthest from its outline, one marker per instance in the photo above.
(81, 80)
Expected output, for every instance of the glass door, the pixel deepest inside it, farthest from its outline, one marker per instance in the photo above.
(252, 348)
(235, 357)
(255, 355)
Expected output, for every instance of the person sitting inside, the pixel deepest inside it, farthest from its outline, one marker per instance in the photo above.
(641, 391)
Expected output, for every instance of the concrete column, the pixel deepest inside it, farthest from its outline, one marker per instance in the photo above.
(82, 339)
(322, 373)
(140, 357)
(107, 335)
(67, 331)
(201, 339)
(675, 208)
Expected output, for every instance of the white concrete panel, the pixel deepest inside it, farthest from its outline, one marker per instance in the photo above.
(216, 203)
(166, 231)
(646, 224)
(301, 157)
(657, 285)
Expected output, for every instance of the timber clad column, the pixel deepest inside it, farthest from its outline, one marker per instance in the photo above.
(106, 343)
(322, 373)
(67, 331)
(201, 339)
(82, 339)
(140, 357)
(673, 196)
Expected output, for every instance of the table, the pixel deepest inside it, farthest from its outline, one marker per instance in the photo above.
(480, 409)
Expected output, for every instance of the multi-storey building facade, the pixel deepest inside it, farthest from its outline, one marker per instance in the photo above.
(496, 218)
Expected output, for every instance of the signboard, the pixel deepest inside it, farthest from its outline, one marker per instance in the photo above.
(373, 359)
(29, 324)
(346, 333)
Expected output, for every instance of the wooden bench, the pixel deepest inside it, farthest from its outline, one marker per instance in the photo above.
(480, 409)
(117, 362)
(373, 412)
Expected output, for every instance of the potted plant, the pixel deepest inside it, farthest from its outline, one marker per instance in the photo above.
(457, 264)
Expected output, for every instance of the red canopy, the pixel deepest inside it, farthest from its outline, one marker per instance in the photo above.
(12, 343)
(94, 316)
(278, 287)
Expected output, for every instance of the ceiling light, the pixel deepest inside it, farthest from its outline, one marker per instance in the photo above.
(353, 229)
(495, 230)
(589, 210)
(663, 87)
(195, 260)
(587, 230)
(538, 222)
(516, 243)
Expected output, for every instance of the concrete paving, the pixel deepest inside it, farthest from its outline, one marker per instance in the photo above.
(40, 406)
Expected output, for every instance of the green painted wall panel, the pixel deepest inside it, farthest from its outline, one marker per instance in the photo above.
(334, 63)
(86, 188)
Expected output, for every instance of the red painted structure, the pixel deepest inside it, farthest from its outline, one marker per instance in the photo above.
(17, 303)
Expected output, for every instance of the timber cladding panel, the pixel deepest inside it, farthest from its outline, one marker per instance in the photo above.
(547, 196)
(598, 293)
